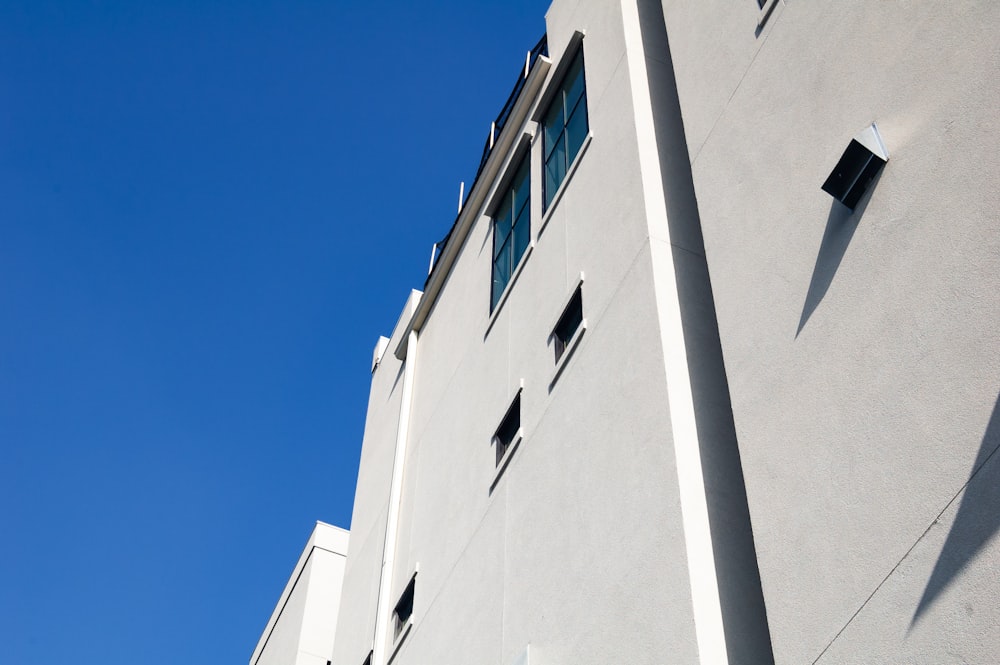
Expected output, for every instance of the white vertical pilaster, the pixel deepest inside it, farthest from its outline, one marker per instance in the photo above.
(709, 631)
(382, 609)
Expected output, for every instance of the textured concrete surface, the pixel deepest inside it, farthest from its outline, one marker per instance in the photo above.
(860, 348)
(302, 628)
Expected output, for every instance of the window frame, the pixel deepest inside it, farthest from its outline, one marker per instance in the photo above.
(572, 314)
(512, 207)
(505, 436)
(765, 9)
(569, 345)
(401, 626)
(503, 457)
(559, 147)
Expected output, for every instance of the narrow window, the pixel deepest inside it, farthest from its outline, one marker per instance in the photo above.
(368, 660)
(565, 127)
(511, 230)
(404, 608)
(509, 429)
(568, 324)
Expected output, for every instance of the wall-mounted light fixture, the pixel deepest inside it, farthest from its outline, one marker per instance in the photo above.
(864, 158)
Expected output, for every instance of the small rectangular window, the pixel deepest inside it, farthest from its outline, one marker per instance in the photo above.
(404, 608)
(507, 433)
(568, 324)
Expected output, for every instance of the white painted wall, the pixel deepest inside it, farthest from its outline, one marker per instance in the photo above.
(356, 623)
(861, 349)
(579, 549)
(855, 432)
(302, 627)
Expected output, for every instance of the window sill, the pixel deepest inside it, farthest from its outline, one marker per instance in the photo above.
(507, 289)
(502, 466)
(565, 182)
(766, 10)
(570, 349)
(398, 642)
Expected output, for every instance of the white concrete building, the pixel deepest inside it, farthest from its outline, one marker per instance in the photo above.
(302, 627)
(663, 399)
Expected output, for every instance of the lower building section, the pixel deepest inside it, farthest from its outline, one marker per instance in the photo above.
(302, 627)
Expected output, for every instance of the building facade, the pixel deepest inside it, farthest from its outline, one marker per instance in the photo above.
(662, 398)
(303, 625)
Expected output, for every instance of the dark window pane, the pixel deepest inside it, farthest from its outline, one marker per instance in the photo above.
(503, 262)
(501, 273)
(522, 235)
(404, 608)
(521, 179)
(521, 203)
(508, 429)
(553, 126)
(565, 126)
(574, 82)
(576, 131)
(501, 229)
(521, 187)
(555, 169)
(510, 235)
(568, 324)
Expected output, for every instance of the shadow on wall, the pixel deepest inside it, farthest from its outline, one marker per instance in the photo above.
(840, 227)
(977, 520)
(741, 599)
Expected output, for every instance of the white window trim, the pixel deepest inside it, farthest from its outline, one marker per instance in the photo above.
(558, 74)
(510, 285)
(515, 442)
(547, 215)
(570, 348)
(545, 100)
(573, 341)
(398, 642)
(407, 626)
(507, 456)
(521, 150)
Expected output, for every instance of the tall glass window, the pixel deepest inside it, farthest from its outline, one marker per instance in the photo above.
(565, 127)
(511, 230)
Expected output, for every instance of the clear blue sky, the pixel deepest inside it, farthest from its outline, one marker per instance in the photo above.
(209, 211)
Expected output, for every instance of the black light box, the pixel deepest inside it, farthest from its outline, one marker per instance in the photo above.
(864, 158)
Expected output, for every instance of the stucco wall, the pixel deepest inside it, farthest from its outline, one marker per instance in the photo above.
(282, 644)
(578, 548)
(860, 348)
(319, 621)
(356, 621)
(302, 628)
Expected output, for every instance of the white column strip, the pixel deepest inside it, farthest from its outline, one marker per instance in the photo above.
(709, 630)
(382, 609)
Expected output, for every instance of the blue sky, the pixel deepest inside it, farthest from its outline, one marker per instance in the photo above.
(209, 211)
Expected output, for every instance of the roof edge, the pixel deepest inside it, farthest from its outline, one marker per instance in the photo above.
(325, 537)
(477, 197)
